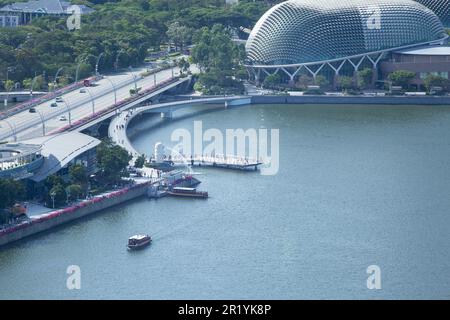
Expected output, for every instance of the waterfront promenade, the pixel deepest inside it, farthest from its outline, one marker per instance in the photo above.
(46, 221)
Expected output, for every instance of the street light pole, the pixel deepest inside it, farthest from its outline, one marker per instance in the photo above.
(8, 70)
(92, 100)
(116, 64)
(53, 195)
(42, 120)
(32, 86)
(114, 88)
(56, 77)
(67, 195)
(98, 61)
(134, 78)
(68, 110)
(13, 129)
(78, 69)
(139, 51)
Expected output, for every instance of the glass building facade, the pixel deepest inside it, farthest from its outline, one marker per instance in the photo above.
(306, 31)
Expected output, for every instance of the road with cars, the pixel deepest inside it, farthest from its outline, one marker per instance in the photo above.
(77, 104)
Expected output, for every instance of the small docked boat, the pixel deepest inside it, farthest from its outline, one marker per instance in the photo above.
(188, 193)
(138, 242)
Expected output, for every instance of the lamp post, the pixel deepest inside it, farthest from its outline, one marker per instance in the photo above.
(7, 97)
(56, 77)
(92, 100)
(114, 88)
(78, 69)
(134, 78)
(13, 129)
(67, 195)
(32, 86)
(42, 120)
(53, 195)
(139, 51)
(68, 110)
(97, 63)
(8, 70)
(116, 63)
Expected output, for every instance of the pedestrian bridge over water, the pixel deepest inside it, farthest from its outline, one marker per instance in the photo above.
(118, 131)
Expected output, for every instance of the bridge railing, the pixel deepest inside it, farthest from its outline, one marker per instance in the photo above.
(216, 158)
(49, 96)
(116, 106)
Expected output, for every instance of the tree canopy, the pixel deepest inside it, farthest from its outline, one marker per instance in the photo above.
(218, 58)
(401, 78)
(112, 161)
(46, 45)
(10, 192)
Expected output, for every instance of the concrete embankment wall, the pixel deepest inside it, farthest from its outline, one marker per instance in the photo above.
(386, 100)
(53, 219)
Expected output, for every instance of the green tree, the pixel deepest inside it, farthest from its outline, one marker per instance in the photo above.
(179, 34)
(365, 77)
(219, 58)
(435, 81)
(304, 81)
(52, 181)
(9, 85)
(241, 74)
(271, 81)
(345, 83)
(401, 78)
(140, 161)
(184, 65)
(10, 192)
(74, 192)
(321, 81)
(37, 82)
(56, 195)
(78, 174)
(112, 161)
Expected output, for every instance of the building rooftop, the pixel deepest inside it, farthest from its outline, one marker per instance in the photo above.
(427, 51)
(11, 151)
(59, 150)
(305, 31)
(43, 6)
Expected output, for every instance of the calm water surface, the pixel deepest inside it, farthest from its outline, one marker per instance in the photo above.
(357, 186)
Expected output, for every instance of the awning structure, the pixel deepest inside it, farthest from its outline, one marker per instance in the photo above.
(59, 150)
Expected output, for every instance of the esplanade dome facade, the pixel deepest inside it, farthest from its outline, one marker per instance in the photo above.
(298, 32)
(440, 7)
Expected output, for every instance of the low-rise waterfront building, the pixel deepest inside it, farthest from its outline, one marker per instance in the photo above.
(38, 158)
(423, 61)
(20, 13)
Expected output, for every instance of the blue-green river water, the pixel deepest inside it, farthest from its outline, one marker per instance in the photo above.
(357, 186)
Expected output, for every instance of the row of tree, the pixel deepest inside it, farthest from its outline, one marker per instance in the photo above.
(112, 163)
(219, 60)
(11, 191)
(363, 80)
(123, 31)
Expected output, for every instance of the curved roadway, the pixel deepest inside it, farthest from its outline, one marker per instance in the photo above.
(28, 125)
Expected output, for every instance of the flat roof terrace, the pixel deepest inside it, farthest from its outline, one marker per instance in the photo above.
(427, 51)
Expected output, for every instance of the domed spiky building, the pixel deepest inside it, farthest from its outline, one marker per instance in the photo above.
(337, 36)
(440, 7)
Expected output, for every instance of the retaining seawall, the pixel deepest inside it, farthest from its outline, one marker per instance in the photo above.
(55, 218)
(369, 100)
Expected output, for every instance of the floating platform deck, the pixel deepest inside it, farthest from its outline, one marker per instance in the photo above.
(225, 162)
